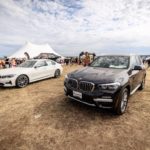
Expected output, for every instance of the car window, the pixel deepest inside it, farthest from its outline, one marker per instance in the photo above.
(139, 62)
(27, 64)
(53, 63)
(116, 62)
(41, 64)
(133, 62)
(50, 63)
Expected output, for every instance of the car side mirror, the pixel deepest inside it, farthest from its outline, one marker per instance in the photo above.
(137, 68)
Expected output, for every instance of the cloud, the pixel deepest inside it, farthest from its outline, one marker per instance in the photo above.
(76, 25)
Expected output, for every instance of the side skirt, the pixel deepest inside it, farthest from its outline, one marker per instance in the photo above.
(134, 90)
(42, 78)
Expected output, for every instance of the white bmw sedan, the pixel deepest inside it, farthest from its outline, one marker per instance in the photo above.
(29, 71)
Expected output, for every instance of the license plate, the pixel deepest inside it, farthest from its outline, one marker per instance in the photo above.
(77, 94)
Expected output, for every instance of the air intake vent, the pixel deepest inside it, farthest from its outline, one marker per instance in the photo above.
(73, 83)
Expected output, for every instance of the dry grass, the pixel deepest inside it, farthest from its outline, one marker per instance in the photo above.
(40, 117)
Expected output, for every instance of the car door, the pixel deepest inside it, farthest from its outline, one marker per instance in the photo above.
(51, 67)
(40, 70)
(135, 73)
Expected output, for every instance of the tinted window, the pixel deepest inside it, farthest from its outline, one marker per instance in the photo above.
(117, 62)
(27, 64)
(139, 62)
(51, 62)
(133, 62)
(41, 64)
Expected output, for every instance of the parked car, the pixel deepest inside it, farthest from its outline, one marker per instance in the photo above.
(51, 56)
(107, 82)
(29, 71)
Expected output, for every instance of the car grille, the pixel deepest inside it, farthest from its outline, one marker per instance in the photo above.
(86, 86)
(73, 83)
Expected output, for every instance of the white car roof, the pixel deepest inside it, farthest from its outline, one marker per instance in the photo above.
(39, 60)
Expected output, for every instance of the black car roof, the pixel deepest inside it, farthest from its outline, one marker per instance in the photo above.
(119, 55)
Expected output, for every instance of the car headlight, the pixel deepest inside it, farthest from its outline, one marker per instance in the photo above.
(110, 86)
(7, 76)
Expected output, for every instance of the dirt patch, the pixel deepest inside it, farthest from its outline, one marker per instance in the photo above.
(40, 117)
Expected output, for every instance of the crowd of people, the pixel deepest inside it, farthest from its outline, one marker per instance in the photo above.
(70, 60)
(9, 63)
(84, 59)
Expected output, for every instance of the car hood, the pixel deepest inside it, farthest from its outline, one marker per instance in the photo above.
(16, 70)
(99, 75)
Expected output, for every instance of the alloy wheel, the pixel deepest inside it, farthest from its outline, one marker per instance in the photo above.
(124, 101)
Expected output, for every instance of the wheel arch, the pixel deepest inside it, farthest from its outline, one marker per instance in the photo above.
(21, 75)
(57, 70)
(117, 103)
(128, 88)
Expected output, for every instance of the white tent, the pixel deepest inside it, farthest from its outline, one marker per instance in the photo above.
(33, 50)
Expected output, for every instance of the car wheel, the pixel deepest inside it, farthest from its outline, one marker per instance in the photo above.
(57, 73)
(142, 84)
(22, 81)
(122, 102)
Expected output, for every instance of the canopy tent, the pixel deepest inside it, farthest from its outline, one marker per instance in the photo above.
(30, 50)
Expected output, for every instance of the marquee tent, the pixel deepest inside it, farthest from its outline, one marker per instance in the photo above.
(32, 50)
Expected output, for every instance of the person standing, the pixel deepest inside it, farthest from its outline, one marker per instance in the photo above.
(13, 62)
(7, 63)
(87, 59)
(1, 64)
(148, 63)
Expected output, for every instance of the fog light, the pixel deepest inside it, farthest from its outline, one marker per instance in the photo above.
(103, 100)
(9, 82)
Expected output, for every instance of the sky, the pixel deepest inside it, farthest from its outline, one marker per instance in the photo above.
(72, 26)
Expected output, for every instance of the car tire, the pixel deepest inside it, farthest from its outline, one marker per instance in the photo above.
(57, 73)
(22, 81)
(142, 84)
(121, 102)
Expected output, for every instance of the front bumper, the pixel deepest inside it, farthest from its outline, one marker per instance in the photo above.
(7, 82)
(100, 99)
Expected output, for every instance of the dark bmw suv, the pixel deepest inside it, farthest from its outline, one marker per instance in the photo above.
(107, 82)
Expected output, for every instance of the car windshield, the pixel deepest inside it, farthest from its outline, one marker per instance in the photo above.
(27, 64)
(116, 62)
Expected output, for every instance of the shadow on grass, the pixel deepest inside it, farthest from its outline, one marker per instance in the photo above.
(65, 113)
